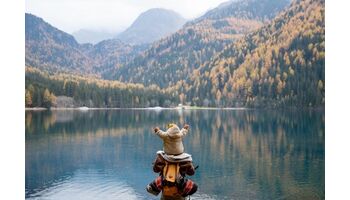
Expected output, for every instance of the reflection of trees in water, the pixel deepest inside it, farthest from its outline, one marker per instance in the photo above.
(103, 140)
(62, 121)
(54, 156)
(275, 150)
(28, 122)
(239, 152)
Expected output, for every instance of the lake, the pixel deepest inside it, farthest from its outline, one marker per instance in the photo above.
(108, 154)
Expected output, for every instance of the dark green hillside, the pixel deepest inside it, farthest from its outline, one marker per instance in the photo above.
(44, 90)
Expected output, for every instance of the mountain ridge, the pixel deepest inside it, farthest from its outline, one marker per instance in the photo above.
(45, 46)
(173, 58)
(265, 9)
(83, 36)
(226, 62)
(269, 66)
(152, 25)
(51, 49)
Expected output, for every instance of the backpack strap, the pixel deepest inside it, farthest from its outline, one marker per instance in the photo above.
(171, 171)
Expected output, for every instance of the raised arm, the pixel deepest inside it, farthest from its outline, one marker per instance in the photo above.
(160, 133)
(184, 130)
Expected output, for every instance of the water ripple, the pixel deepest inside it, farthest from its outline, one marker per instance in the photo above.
(87, 185)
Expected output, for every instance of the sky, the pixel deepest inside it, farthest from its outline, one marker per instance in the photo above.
(109, 15)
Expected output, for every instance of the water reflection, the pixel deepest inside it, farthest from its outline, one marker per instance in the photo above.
(241, 154)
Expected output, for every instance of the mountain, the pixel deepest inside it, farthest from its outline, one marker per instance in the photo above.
(152, 25)
(246, 9)
(111, 54)
(280, 64)
(174, 58)
(53, 50)
(50, 48)
(92, 36)
(224, 59)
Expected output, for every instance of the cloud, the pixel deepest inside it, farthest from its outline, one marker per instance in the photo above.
(109, 15)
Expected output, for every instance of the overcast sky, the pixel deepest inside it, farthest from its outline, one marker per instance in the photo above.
(109, 15)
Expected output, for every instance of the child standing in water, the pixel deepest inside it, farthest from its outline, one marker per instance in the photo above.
(172, 146)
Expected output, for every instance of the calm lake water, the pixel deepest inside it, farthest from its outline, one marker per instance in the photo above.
(242, 154)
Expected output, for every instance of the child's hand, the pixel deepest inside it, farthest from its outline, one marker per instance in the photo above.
(156, 129)
(186, 126)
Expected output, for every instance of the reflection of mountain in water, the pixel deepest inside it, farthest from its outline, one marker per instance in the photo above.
(242, 154)
(276, 150)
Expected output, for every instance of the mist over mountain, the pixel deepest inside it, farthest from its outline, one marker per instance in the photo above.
(249, 9)
(53, 50)
(92, 36)
(253, 53)
(50, 48)
(174, 58)
(152, 25)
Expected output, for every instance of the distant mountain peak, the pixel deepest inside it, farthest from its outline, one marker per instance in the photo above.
(152, 25)
(39, 30)
(92, 36)
(53, 50)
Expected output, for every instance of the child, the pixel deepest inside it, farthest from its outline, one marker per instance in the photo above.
(172, 146)
(172, 139)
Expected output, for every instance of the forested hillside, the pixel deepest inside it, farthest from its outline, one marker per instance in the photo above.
(238, 54)
(172, 59)
(44, 90)
(281, 64)
(53, 50)
(247, 9)
(110, 54)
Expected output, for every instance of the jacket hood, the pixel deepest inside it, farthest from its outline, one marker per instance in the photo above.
(174, 131)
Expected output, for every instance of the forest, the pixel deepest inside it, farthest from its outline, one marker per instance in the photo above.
(229, 57)
(280, 65)
(44, 90)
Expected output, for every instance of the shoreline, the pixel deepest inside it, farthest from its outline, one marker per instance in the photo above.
(36, 109)
(184, 108)
(142, 108)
